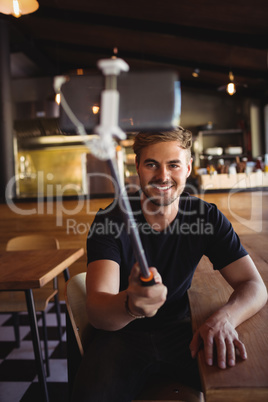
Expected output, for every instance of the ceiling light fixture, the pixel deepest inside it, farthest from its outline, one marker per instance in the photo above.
(18, 7)
(95, 109)
(58, 98)
(231, 89)
(115, 53)
(196, 73)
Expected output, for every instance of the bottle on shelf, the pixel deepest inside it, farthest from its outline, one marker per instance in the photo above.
(222, 167)
(241, 165)
(258, 166)
(266, 163)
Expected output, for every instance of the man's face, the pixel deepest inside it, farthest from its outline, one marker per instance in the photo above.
(163, 169)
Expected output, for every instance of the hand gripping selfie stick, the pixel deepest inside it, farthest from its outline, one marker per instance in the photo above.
(104, 148)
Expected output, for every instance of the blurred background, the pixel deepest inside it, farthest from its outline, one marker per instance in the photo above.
(209, 44)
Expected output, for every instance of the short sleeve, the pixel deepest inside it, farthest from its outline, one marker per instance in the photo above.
(103, 240)
(224, 246)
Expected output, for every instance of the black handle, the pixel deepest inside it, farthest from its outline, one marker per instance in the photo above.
(147, 281)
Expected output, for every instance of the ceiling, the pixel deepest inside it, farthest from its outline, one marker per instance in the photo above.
(212, 36)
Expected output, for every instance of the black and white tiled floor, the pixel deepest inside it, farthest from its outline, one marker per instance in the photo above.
(18, 378)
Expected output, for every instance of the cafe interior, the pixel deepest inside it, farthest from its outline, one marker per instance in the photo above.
(53, 182)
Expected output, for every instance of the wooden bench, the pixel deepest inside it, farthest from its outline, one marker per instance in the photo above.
(248, 380)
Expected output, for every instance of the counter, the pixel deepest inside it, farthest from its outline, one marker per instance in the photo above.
(233, 181)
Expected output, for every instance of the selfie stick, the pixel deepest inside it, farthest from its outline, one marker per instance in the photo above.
(103, 148)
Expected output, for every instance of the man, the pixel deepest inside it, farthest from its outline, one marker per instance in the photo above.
(142, 330)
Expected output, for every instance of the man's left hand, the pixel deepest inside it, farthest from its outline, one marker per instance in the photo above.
(220, 335)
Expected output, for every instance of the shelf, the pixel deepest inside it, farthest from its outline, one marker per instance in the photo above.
(219, 139)
(233, 181)
(223, 156)
(221, 132)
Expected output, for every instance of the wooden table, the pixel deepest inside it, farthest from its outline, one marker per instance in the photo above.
(248, 380)
(27, 270)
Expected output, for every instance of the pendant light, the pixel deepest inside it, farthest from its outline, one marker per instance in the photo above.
(18, 7)
(231, 89)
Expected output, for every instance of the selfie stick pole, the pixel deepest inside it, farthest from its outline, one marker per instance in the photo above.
(108, 128)
(103, 148)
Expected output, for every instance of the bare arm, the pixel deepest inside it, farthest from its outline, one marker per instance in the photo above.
(248, 297)
(106, 305)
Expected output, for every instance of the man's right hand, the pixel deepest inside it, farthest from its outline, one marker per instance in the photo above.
(145, 300)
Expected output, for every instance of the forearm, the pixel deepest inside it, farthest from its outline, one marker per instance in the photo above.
(112, 310)
(246, 300)
(248, 297)
(107, 311)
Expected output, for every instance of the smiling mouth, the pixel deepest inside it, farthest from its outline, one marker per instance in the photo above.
(162, 187)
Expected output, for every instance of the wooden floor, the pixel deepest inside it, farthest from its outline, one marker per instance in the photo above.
(70, 220)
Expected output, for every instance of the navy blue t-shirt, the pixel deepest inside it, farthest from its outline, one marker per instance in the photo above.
(198, 229)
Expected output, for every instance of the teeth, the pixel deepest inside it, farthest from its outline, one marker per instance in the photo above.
(162, 187)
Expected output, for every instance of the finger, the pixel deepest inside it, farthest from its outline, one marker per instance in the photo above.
(230, 353)
(208, 349)
(157, 276)
(195, 344)
(221, 352)
(151, 314)
(241, 349)
(135, 273)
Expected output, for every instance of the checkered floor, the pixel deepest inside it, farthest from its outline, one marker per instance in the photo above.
(18, 379)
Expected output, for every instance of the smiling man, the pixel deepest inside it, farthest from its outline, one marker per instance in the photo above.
(163, 179)
(141, 331)
(163, 163)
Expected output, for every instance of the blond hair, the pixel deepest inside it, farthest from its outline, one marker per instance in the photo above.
(146, 138)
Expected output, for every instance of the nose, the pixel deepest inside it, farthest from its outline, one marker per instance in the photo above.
(162, 174)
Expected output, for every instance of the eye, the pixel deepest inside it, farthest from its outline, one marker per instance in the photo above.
(151, 165)
(174, 166)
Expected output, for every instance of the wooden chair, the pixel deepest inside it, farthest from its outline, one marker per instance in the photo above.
(15, 302)
(79, 333)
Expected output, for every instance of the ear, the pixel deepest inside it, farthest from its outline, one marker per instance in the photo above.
(136, 163)
(189, 167)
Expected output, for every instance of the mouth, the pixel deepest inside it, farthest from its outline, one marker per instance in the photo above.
(161, 187)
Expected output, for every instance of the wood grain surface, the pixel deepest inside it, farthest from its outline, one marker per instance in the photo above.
(31, 269)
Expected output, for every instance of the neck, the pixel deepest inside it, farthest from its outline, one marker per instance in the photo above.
(159, 216)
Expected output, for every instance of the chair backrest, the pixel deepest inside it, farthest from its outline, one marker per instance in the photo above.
(75, 298)
(32, 242)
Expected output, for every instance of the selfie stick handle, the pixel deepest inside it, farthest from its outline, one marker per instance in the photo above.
(108, 129)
